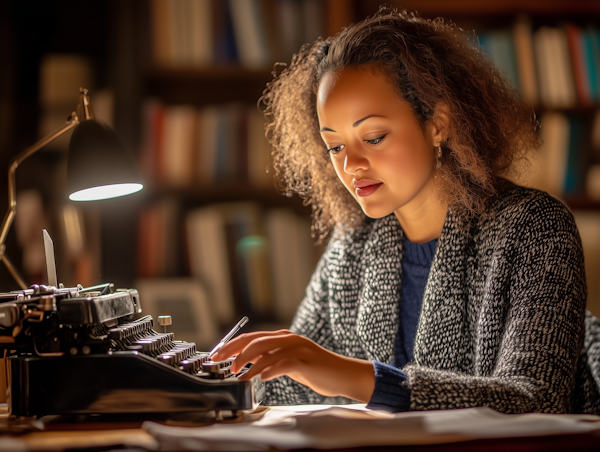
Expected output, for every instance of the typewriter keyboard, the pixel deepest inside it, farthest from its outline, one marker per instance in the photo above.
(139, 336)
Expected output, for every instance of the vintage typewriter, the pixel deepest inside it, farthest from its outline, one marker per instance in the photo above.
(82, 350)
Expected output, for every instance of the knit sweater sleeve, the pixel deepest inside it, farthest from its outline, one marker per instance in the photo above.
(390, 393)
(312, 321)
(543, 296)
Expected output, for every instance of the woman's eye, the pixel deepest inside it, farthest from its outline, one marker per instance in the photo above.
(376, 140)
(335, 150)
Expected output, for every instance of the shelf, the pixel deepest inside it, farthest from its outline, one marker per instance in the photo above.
(491, 8)
(207, 86)
(577, 110)
(582, 203)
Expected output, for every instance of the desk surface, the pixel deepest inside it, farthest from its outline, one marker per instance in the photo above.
(115, 437)
(80, 433)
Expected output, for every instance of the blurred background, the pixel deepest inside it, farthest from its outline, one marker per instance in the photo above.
(209, 238)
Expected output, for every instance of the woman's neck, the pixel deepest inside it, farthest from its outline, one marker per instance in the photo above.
(424, 221)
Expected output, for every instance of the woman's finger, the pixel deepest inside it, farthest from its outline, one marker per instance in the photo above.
(263, 345)
(283, 367)
(235, 346)
(268, 360)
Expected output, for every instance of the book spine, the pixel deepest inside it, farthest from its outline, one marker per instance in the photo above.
(523, 38)
(553, 153)
(578, 63)
(205, 229)
(593, 55)
(545, 71)
(564, 68)
(160, 33)
(249, 33)
(573, 176)
(201, 39)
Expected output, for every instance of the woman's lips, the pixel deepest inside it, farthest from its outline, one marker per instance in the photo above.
(366, 187)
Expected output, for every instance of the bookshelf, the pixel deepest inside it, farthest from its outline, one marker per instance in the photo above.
(122, 54)
(207, 86)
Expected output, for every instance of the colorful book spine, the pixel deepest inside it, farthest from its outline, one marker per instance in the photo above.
(579, 63)
(555, 67)
(591, 40)
(184, 147)
(252, 33)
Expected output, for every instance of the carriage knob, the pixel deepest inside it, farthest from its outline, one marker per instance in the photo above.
(164, 321)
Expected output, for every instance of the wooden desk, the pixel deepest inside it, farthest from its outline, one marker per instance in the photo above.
(81, 434)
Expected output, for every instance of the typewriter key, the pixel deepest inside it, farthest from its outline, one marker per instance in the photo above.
(211, 366)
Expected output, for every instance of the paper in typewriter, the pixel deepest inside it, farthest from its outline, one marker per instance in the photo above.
(334, 427)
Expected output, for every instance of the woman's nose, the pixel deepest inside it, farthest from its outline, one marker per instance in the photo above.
(354, 161)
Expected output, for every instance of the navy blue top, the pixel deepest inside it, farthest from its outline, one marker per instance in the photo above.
(390, 394)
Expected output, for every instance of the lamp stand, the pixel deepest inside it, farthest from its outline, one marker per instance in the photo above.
(12, 195)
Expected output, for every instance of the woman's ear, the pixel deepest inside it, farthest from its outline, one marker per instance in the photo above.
(440, 124)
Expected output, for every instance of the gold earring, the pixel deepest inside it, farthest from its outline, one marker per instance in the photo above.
(438, 163)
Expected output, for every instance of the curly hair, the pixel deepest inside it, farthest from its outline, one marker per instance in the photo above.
(430, 62)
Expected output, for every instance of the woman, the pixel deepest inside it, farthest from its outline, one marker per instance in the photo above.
(443, 285)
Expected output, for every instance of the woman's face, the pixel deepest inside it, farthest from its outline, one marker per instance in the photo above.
(377, 146)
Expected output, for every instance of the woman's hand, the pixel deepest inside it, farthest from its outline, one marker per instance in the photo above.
(277, 353)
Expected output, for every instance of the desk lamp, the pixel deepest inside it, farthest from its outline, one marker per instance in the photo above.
(98, 167)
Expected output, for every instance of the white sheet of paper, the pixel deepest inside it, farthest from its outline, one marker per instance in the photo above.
(328, 427)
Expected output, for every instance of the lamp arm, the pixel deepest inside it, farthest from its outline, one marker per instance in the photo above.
(12, 197)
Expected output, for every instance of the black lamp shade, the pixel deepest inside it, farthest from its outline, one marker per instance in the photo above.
(97, 160)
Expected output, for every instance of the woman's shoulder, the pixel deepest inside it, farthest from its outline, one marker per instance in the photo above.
(520, 207)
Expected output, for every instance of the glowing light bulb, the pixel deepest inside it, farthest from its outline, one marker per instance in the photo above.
(105, 192)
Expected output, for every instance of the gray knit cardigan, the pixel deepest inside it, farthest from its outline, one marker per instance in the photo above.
(503, 316)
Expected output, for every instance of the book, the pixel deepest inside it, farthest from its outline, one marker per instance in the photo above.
(260, 172)
(291, 263)
(227, 143)
(161, 47)
(243, 152)
(500, 48)
(503, 53)
(563, 68)
(273, 30)
(152, 118)
(226, 50)
(233, 140)
(292, 27)
(174, 32)
(178, 145)
(183, 146)
(158, 248)
(235, 231)
(523, 38)
(578, 63)
(252, 33)
(252, 250)
(206, 145)
(249, 30)
(243, 227)
(208, 259)
(201, 34)
(556, 82)
(183, 32)
(591, 42)
(574, 168)
(553, 153)
(547, 81)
